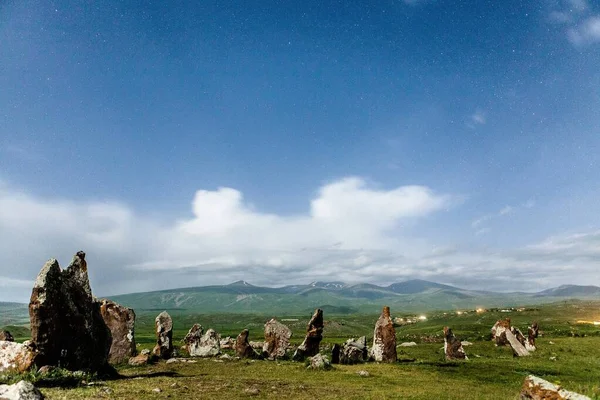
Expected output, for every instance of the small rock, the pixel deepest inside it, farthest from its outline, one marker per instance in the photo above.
(225, 357)
(219, 361)
(319, 362)
(22, 390)
(172, 360)
(408, 344)
(466, 343)
(142, 359)
(252, 391)
(156, 390)
(363, 373)
(145, 351)
(553, 358)
(550, 342)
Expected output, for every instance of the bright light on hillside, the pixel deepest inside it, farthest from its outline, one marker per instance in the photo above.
(423, 318)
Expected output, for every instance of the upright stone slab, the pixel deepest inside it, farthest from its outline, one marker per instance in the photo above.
(277, 339)
(498, 332)
(243, 348)
(453, 348)
(384, 338)
(6, 336)
(312, 340)
(121, 322)
(66, 324)
(164, 336)
(532, 334)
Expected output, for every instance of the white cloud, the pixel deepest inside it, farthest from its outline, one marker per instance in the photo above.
(577, 5)
(479, 118)
(506, 210)
(349, 225)
(586, 33)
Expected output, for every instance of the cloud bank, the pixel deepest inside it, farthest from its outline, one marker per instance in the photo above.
(352, 231)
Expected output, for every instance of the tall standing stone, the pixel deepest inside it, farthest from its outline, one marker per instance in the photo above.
(532, 334)
(499, 332)
(243, 348)
(164, 336)
(277, 339)
(453, 348)
(314, 335)
(121, 322)
(66, 324)
(384, 338)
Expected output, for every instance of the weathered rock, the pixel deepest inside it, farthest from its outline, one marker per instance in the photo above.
(453, 348)
(164, 336)
(314, 335)
(66, 324)
(258, 346)
(354, 351)
(535, 388)
(498, 331)
(335, 354)
(532, 334)
(6, 336)
(227, 343)
(198, 344)
(518, 349)
(121, 322)
(140, 359)
(16, 357)
(384, 338)
(22, 390)
(319, 362)
(277, 339)
(243, 348)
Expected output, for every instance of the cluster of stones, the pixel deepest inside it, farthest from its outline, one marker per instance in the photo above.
(503, 333)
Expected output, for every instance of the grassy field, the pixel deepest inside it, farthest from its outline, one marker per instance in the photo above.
(567, 354)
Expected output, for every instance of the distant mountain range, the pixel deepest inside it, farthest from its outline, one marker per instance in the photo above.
(339, 297)
(333, 297)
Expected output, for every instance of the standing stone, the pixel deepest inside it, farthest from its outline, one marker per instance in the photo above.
(532, 334)
(384, 338)
(335, 354)
(164, 336)
(243, 348)
(199, 344)
(453, 348)
(314, 335)
(121, 322)
(16, 357)
(277, 339)
(66, 324)
(535, 388)
(22, 390)
(6, 336)
(354, 351)
(498, 332)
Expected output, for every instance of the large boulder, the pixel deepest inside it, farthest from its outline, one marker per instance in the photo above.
(164, 336)
(384, 338)
(314, 335)
(121, 322)
(66, 324)
(6, 336)
(243, 348)
(453, 348)
(319, 362)
(199, 344)
(354, 351)
(21, 390)
(16, 357)
(535, 388)
(277, 339)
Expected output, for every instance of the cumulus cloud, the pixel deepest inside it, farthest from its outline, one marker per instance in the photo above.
(351, 231)
(349, 227)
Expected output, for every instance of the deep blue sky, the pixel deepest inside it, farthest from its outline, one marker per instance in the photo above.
(143, 103)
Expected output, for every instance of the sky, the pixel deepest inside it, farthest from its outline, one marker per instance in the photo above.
(192, 143)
